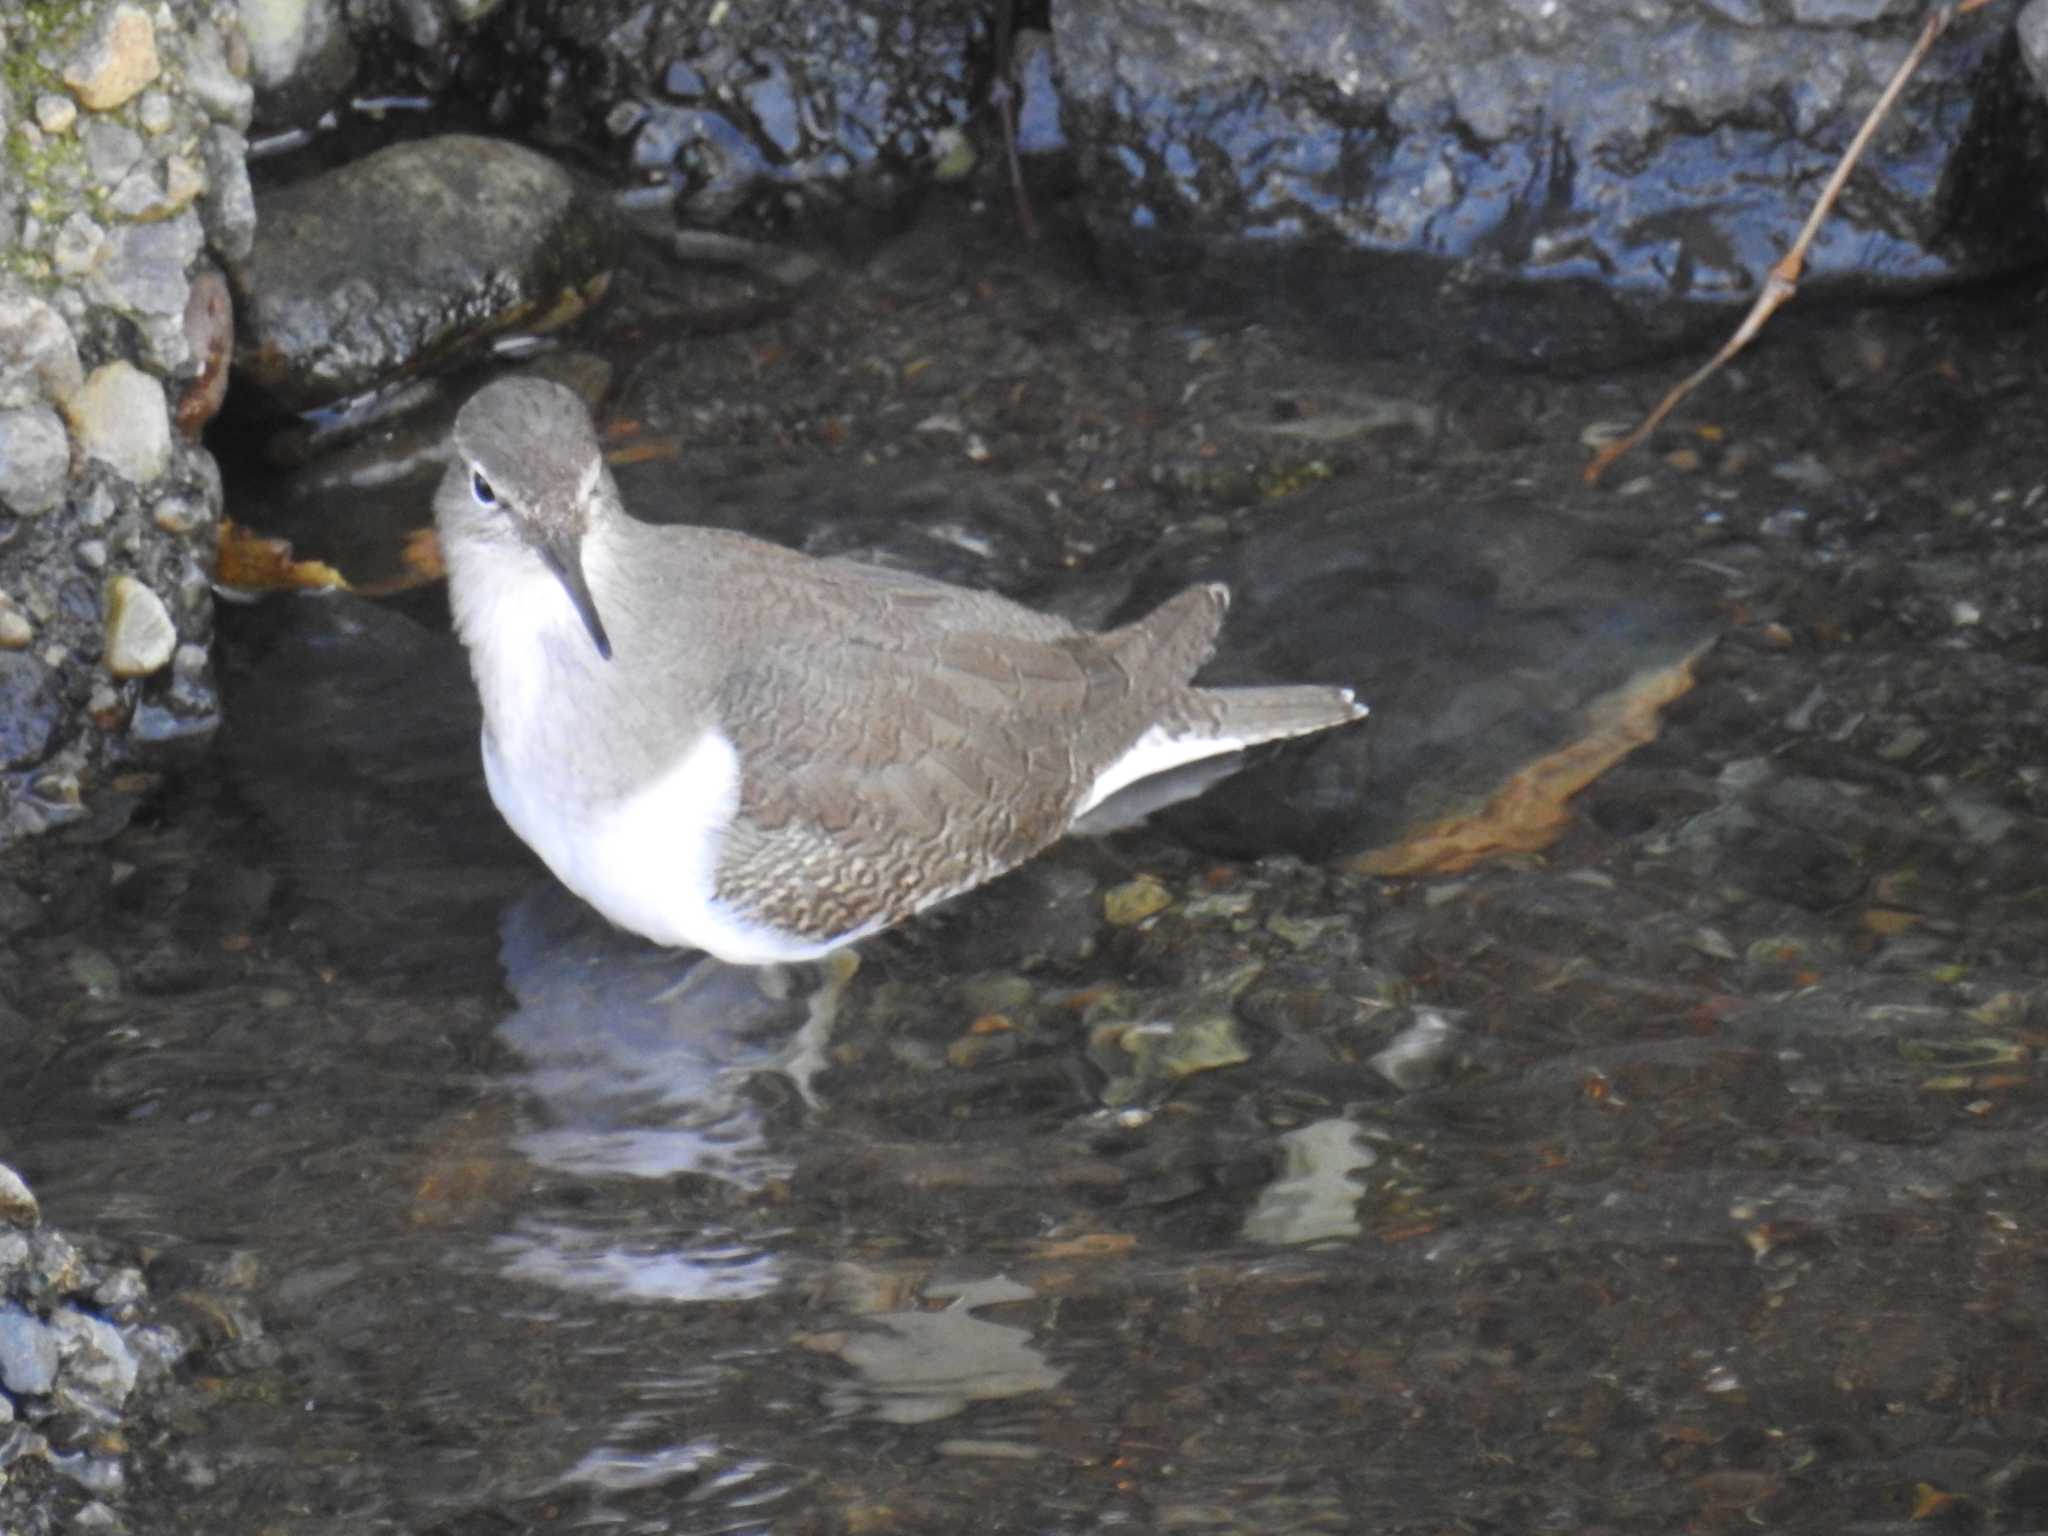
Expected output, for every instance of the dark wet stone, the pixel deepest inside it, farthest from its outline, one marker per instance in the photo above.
(1339, 163)
(1485, 637)
(173, 725)
(31, 709)
(415, 252)
(1144, 1043)
(301, 58)
(778, 111)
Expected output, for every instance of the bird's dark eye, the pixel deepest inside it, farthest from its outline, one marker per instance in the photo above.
(480, 488)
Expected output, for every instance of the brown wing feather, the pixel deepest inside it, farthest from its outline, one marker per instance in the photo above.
(870, 790)
(921, 738)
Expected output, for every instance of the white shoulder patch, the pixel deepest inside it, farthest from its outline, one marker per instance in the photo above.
(650, 862)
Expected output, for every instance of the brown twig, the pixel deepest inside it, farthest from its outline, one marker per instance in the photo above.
(1003, 92)
(1782, 282)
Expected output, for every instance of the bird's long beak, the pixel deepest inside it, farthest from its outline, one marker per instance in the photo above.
(565, 559)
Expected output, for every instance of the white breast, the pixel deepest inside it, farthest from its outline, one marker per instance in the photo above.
(517, 622)
(648, 860)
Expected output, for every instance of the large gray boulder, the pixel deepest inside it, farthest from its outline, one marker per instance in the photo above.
(1538, 181)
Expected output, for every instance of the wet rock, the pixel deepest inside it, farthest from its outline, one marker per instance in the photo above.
(35, 460)
(140, 635)
(1046, 909)
(31, 709)
(2031, 28)
(18, 1206)
(1421, 1054)
(1609, 153)
(1505, 669)
(1134, 901)
(779, 111)
(99, 1368)
(29, 1352)
(54, 1267)
(300, 53)
(116, 62)
(121, 420)
(76, 1343)
(915, 1367)
(369, 271)
(1315, 1198)
(1144, 1042)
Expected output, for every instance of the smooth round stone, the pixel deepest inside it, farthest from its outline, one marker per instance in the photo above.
(359, 275)
(141, 638)
(121, 420)
(54, 113)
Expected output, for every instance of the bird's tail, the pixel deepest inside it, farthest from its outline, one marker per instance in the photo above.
(1248, 716)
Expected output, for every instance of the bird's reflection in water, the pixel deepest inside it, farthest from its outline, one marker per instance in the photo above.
(639, 1065)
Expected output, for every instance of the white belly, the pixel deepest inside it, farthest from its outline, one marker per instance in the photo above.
(648, 862)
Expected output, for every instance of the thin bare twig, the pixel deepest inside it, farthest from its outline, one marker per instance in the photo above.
(1003, 92)
(1782, 281)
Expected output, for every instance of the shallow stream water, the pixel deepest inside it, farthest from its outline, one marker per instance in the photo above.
(1702, 1189)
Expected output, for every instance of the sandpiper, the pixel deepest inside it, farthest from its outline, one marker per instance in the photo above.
(721, 743)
